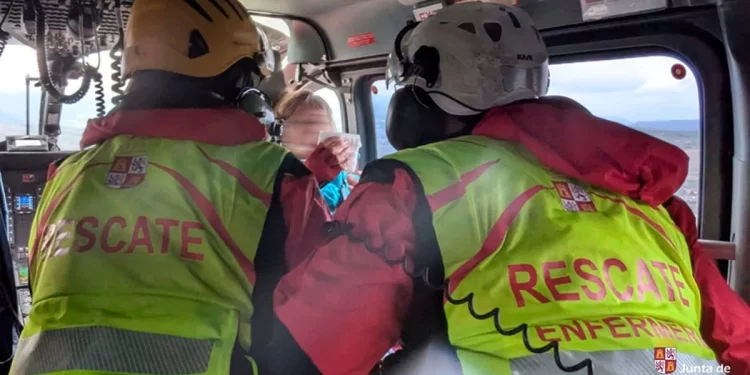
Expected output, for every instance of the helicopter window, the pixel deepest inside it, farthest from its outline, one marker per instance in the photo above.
(655, 94)
(16, 63)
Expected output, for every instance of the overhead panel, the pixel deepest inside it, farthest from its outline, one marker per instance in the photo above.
(299, 8)
(361, 28)
(306, 44)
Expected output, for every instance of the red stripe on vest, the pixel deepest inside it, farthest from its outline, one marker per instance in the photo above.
(244, 181)
(53, 205)
(457, 190)
(209, 211)
(494, 238)
(641, 215)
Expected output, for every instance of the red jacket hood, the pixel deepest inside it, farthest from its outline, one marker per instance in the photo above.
(222, 126)
(570, 140)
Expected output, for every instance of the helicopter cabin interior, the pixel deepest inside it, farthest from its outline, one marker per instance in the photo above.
(675, 69)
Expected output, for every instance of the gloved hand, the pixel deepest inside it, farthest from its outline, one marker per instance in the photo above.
(329, 158)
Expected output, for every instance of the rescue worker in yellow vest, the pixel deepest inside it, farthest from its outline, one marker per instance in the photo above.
(512, 234)
(156, 249)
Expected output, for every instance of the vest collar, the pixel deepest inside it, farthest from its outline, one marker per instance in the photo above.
(567, 138)
(221, 127)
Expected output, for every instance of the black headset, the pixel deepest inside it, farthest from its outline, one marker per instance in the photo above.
(413, 118)
(256, 103)
(426, 62)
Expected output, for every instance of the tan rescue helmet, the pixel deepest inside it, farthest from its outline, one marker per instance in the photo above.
(195, 38)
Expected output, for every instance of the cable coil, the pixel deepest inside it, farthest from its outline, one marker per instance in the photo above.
(116, 55)
(118, 85)
(4, 38)
(4, 35)
(44, 76)
(101, 109)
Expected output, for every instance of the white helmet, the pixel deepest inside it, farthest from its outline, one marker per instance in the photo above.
(471, 57)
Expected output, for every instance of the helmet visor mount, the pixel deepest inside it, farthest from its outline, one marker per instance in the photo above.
(533, 79)
(397, 71)
(393, 75)
(268, 64)
(515, 79)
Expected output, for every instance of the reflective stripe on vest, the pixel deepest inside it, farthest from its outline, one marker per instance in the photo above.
(148, 240)
(620, 362)
(540, 247)
(106, 349)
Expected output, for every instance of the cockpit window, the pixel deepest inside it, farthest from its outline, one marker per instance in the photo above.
(655, 94)
(19, 61)
(16, 63)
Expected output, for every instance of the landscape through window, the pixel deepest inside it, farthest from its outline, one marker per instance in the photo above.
(639, 92)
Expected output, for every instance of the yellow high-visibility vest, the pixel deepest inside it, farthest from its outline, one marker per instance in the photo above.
(142, 257)
(606, 277)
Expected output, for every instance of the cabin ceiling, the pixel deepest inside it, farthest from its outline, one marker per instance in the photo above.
(339, 22)
(303, 8)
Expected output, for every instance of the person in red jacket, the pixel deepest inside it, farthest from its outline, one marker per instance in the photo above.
(513, 232)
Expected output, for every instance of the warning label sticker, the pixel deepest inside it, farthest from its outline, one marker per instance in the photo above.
(423, 13)
(597, 9)
(361, 40)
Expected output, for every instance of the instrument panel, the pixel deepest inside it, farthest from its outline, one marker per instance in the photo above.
(23, 191)
(24, 176)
